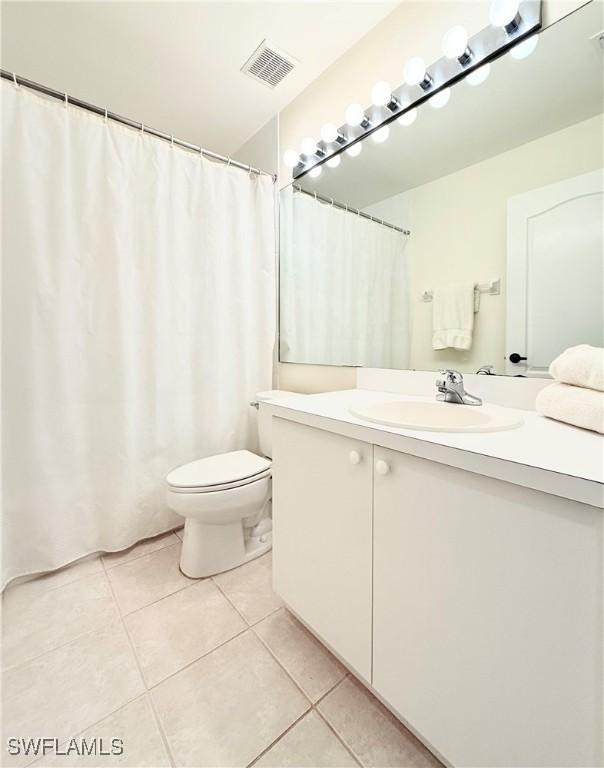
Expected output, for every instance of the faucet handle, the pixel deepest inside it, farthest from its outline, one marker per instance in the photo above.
(451, 376)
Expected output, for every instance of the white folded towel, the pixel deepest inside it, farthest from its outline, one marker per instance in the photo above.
(453, 316)
(573, 405)
(582, 365)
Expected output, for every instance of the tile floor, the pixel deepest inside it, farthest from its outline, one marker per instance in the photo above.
(212, 672)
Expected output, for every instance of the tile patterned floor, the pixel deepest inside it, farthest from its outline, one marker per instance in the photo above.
(213, 672)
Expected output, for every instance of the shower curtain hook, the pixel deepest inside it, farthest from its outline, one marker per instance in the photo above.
(15, 80)
(66, 99)
(172, 141)
(315, 197)
(228, 162)
(331, 198)
(142, 129)
(106, 115)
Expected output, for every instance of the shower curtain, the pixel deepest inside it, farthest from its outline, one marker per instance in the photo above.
(138, 311)
(344, 287)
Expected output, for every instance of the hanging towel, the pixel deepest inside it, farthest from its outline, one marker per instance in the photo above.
(453, 316)
(582, 365)
(573, 405)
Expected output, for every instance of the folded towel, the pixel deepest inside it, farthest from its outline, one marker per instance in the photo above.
(582, 365)
(573, 405)
(453, 316)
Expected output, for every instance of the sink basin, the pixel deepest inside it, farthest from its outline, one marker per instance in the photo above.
(434, 416)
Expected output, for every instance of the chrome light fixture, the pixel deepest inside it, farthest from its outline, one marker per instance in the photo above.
(455, 45)
(505, 13)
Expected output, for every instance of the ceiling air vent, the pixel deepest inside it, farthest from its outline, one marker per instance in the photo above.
(268, 65)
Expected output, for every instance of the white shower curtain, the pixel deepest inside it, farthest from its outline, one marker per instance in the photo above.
(344, 287)
(138, 321)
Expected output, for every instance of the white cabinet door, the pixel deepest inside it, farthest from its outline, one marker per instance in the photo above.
(488, 615)
(322, 510)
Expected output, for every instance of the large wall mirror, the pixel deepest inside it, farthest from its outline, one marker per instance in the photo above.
(484, 212)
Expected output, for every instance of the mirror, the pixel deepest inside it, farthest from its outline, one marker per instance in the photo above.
(471, 236)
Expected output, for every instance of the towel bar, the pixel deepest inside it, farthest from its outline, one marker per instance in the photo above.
(492, 288)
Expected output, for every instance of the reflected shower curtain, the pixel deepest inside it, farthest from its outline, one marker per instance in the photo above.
(344, 287)
(138, 322)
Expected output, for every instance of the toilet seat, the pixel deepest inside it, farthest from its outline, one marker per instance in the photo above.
(219, 473)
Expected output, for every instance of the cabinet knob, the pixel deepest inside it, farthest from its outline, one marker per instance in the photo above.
(354, 457)
(381, 467)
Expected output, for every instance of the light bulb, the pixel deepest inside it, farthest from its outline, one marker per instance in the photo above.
(355, 150)
(408, 118)
(455, 42)
(329, 133)
(315, 172)
(503, 12)
(291, 158)
(308, 146)
(333, 162)
(380, 136)
(479, 75)
(415, 71)
(525, 48)
(381, 94)
(354, 115)
(441, 98)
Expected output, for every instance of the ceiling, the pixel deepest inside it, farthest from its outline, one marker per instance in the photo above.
(175, 66)
(560, 84)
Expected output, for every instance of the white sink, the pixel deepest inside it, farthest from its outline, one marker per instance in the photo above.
(434, 416)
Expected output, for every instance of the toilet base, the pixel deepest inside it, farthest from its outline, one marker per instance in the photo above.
(211, 549)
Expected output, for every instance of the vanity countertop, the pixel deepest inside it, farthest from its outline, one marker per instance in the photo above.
(542, 454)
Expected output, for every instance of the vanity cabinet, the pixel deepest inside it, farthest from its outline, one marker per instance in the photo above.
(487, 615)
(322, 535)
(471, 606)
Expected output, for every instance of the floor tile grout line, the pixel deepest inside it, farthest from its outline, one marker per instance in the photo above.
(346, 746)
(142, 554)
(278, 739)
(159, 599)
(287, 672)
(199, 658)
(147, 693)
(71, 640)
(93, 725)
(231, 603)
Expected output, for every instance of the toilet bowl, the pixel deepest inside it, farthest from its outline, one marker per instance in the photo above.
(226, 502)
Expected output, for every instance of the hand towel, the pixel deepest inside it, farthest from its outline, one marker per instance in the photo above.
(573, 405)
(453, 316)
(582, 365)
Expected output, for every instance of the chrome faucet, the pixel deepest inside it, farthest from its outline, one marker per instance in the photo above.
(451, 389)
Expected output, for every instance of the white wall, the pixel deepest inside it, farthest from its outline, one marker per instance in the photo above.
(262, 150)
(458, 225)
(414, 28)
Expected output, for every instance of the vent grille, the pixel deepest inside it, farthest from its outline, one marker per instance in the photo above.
(268, 65)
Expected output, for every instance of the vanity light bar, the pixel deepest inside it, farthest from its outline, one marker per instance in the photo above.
(511, 23)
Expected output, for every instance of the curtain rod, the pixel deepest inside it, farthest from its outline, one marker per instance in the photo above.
(102, 112)
(350, 209)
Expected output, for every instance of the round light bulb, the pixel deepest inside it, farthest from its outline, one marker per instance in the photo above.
(308, 146)
(354, 115)
(333, 162)
(479, 75)
(381, 94)
(408, 118)
(355, 150)
(315, 172)
(525, 48)
(455, 42)
(441, 98)
(415, 71)
(380, 136)
(503, 12)
(329, 133)
(291, 158)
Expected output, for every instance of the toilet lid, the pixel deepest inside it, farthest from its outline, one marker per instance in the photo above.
(223, 469)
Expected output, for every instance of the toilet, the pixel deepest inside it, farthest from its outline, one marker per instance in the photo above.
(226, 502)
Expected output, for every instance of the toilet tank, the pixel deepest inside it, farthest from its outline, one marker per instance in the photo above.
(264, 419)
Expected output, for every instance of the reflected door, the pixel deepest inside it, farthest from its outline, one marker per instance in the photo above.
(555, 272)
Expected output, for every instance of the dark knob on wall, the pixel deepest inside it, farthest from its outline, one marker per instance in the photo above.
(516, 358)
